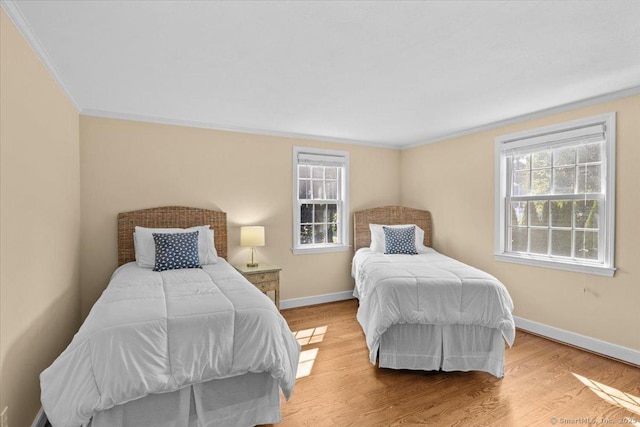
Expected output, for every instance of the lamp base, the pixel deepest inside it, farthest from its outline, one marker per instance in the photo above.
(252, 264)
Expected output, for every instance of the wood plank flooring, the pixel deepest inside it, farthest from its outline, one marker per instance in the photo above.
(545, 384)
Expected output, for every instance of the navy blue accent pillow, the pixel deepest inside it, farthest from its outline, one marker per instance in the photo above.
(400, 240)
(176, 250)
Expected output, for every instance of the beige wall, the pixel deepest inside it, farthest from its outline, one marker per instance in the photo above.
(454, 179)
(39, 223)
(130, 165)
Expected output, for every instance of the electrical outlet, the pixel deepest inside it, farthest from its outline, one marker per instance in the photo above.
(4, 417)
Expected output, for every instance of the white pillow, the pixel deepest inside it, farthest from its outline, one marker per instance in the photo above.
(145, 247)
(378, 243)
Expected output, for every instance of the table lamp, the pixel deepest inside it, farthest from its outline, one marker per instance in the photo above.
(252, 236)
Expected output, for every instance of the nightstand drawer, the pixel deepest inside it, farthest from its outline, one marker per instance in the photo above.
(262, 277)
(267, 286)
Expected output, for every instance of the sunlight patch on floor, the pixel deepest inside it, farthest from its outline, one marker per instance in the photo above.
(308, 357)
(613, 395)
(311, 336)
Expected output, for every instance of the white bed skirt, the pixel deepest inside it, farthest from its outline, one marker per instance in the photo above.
(442, 347)
(240, 401)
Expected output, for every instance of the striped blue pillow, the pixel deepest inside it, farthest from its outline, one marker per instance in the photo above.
(400, 240)
(176, 250)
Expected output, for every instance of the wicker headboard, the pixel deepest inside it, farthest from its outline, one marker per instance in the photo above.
(169, 217)
(388, 215)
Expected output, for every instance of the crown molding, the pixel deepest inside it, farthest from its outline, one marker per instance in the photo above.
(18, 19)
(13, 11)
(625, 93)
(228, 128)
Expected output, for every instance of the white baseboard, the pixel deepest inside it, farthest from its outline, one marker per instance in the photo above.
(591, 344)
(41, 419)
(316, 299)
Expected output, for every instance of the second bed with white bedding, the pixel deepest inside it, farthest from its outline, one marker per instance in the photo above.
(430, 312)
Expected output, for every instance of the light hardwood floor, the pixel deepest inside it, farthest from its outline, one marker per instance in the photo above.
(545, 383)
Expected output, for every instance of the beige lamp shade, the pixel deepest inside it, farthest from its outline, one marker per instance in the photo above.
(252, 236)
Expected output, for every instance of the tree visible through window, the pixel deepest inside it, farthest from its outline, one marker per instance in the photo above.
(319, 190)
(555, 199)
(556, 195)
(320, 201)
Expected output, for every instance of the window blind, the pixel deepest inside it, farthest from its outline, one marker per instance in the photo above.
(578, 136)
(321, 160)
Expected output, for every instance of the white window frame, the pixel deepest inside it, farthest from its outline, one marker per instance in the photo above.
(550, 135)
(343, 225)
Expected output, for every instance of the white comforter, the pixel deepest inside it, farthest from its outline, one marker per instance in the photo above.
(156, 332)
(428, 288)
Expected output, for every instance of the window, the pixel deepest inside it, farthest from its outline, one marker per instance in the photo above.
(320, 200)
(555, 196)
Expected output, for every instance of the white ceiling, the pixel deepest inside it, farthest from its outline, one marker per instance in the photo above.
(390, 73)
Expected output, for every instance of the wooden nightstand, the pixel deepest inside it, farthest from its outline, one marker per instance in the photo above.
(265, 277)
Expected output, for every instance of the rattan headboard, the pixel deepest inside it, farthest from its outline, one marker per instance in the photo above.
(388, 215)
(169, 217)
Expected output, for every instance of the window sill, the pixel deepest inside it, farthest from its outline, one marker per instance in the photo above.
(320, 249)
(558, 265)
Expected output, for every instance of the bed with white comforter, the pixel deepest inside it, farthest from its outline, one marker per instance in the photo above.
(167, 335)
(431, 312)
(420, 309)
